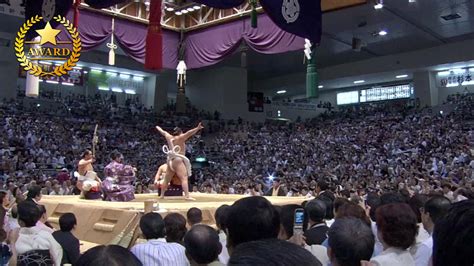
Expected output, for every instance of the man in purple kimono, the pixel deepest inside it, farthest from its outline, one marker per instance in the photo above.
(117, 185)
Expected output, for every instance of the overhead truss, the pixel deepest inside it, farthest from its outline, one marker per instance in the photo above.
(198, 16)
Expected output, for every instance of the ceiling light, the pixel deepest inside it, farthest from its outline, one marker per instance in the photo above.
(196, 7)
(130, 92)
(184, 11)
(97, 70)
(125, 75)
(52, 82)
(138, 78)
(169, 9)
(67, 84)
(281, 92)
(115, 89)
(444, 73)
(459, 71)
(401, 76)
(359, 81)
(320, 86)
(178, 13)
(190, 9)
(104, 88)
(411, 1)
(452, 85)
(383, 33)
(111, 73)
(378, 6)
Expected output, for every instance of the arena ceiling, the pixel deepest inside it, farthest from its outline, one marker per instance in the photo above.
(409, 27)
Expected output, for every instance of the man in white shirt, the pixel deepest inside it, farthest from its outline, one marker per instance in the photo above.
(156, 251)
(434, 209)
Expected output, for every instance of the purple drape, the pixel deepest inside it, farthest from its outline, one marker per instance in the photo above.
(221, 4)
(95, 29)
(210, 46)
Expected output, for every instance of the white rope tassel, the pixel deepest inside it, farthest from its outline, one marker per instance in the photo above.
(112, 45)
(181, 79)
(32, 82)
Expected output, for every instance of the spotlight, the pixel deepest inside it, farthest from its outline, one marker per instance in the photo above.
(169, 9)
(197, 7)
(190, 9)
(383, 33)
(178, 13)
(184, 11)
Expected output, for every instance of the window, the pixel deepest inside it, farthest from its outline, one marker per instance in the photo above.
(386, 93)
(347, 97)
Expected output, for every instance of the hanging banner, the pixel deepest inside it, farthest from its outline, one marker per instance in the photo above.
(300, 17)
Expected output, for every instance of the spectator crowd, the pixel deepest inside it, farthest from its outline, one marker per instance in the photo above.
(385, 184)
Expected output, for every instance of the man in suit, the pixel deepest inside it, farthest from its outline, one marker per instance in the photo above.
(317, 229)
(322, 189)
(277, 189)
(69, 243)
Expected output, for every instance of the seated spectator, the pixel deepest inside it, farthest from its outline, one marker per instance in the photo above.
(287, 219)
(271, 252)
(317, 229)
(397, 229)
(350, 241)
(250, 219)
(277, 189)
(353, 210)
(202, 245)
(3, 214)
(156, 251)
(453, 239)
(194, 216)
(31, 239)
(34, 194)
(433, 210)
(69, 243)
(43, 223)
(221, 222)
(175, 226)
(112, 255)
(329, 203)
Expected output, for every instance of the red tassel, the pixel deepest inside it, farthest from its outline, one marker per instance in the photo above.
(77, 3)
(154, 39)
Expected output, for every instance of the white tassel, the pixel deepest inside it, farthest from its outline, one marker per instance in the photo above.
(112, 45)
(307, 49)
(181, 68)
(32, 82)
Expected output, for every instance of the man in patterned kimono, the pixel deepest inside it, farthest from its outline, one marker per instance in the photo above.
(117, 185)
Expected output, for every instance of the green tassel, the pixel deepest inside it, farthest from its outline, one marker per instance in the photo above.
(253, 16)
(312, 79)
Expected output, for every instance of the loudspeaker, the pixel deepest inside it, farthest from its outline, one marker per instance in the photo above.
(356, 44)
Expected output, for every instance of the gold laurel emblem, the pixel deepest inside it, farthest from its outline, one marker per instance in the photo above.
(35, 69)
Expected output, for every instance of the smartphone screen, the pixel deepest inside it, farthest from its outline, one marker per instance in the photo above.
(298, 221)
